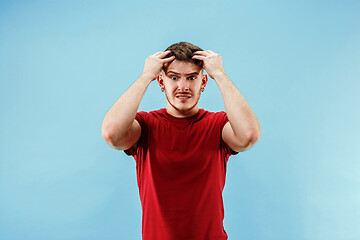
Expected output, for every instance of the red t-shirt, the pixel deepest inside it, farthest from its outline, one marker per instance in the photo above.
(181, 170)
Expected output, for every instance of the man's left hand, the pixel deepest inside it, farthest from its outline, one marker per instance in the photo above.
(212, 62)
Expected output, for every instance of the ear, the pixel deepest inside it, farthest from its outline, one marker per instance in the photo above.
(204, 81)
(160, 81)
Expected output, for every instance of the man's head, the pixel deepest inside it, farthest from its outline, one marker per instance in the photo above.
(183, 51)
(183, 80)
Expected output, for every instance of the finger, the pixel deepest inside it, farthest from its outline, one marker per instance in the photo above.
(202, 58)
(210, 53)
(203, 53)
(163, 54)
(157, 53)
(169, 59)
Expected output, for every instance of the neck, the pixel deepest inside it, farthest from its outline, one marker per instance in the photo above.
(181, 114)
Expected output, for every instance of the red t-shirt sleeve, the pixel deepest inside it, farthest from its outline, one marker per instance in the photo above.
(141, 117)
(222, 116)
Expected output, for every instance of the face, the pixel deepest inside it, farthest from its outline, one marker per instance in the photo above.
(182, 83)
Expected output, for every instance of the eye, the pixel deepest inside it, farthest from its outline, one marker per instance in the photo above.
(173, 78)
(192, 78)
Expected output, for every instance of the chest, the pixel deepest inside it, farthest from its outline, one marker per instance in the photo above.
(183, 146)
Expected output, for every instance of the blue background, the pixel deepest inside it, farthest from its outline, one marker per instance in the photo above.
(63, 64)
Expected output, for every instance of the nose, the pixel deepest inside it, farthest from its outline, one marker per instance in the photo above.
(183, 85)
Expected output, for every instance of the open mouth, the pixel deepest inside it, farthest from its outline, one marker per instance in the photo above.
(183, 96)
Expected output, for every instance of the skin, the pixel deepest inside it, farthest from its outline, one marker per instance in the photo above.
(182, 84)
(121, 131)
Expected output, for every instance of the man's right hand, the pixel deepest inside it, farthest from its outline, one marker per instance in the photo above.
(155, 63)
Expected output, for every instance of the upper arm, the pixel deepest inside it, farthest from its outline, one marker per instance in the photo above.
(130, 139)
(133, 135)
(233, 142)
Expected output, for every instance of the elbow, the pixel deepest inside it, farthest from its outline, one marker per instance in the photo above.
(109, 138)
(247, 142)
(106, 135)
(106, 132)
(253, 137)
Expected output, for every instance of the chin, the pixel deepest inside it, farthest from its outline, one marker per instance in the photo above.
(184, 108)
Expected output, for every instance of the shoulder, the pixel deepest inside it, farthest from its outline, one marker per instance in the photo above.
(154, 113)
(159, 112)
(145, 118)
(214, 116)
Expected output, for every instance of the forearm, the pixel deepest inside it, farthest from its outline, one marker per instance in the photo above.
(120, 117)
(242, 119)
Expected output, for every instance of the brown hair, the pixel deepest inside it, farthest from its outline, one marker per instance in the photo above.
(183, 51)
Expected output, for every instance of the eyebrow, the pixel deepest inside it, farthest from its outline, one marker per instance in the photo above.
(193, 73)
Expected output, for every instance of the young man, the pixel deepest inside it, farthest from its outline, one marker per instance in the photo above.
(181, 151)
